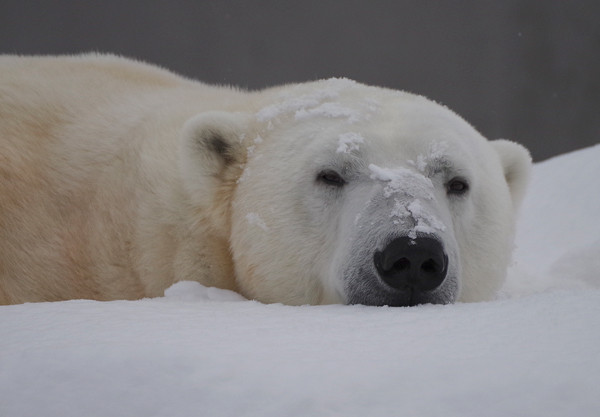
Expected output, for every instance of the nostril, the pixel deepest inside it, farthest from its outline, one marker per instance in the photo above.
(430, 266)
(401, 265)
(419, 264)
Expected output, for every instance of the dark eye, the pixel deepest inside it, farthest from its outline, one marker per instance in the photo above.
(457, 186)
(330, 177)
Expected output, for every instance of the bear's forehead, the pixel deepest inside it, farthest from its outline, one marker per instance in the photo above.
(349, 119)
(345, 105)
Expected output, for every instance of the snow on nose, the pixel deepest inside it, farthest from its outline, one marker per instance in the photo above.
(411, 191)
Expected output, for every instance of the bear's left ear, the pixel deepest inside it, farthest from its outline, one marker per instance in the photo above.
(211, 152)
(516, 162)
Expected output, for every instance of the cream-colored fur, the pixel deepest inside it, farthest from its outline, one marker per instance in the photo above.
(91, 200)
(118, 178)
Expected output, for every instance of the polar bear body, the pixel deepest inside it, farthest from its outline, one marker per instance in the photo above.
(119, 179)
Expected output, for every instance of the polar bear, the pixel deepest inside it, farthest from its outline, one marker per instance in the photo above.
(118, 178)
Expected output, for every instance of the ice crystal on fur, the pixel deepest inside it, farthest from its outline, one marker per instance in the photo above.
(349, 142)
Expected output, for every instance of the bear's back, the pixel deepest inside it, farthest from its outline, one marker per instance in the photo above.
(72, 130)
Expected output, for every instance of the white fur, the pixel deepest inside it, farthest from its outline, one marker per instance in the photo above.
(400, 142)
(118, 178)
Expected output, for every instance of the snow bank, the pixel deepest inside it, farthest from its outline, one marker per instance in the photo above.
(558, 235)
(207, 352)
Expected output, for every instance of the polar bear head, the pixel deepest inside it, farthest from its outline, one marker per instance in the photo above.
(337, 192)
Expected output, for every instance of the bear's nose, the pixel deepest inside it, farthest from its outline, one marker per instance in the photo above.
(418, 264)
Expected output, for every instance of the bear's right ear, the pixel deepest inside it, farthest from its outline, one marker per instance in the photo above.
(211, 152)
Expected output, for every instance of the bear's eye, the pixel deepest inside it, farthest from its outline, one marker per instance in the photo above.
(330, 177)
(457, 186)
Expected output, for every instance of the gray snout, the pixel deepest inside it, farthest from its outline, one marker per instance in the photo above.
(418, 264)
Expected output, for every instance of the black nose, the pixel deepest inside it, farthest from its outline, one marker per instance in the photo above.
(419, 264)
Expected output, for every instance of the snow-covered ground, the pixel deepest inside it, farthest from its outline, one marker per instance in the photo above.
(205, 352)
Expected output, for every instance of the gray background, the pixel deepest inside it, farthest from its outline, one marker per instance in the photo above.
(524, 70)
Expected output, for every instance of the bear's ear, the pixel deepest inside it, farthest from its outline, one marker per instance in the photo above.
(211, 151)
(516, 162)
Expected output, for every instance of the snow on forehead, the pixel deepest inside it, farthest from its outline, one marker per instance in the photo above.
(349, 141)
(403, 180)
(436, 155)
(319, 99)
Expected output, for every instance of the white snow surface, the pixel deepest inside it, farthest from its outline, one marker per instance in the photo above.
(207, 352)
